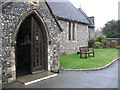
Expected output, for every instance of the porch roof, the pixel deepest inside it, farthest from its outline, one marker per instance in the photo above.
(66, 10)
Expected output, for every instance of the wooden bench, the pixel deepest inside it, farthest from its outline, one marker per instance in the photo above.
(85, 50)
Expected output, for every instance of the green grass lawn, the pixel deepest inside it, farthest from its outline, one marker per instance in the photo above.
(102, 58)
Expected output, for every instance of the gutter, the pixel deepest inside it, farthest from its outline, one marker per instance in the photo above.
(90, 26)
(60, 18)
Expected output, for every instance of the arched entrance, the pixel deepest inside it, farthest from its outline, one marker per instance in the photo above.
(31, 46)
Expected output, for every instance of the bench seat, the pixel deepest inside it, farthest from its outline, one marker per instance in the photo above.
(86, 51)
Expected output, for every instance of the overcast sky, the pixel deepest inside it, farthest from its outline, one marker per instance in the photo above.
(102, 10)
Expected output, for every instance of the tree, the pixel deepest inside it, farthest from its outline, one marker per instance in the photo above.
(111, 29)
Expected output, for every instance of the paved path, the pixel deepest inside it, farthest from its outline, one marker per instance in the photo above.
(106, 78)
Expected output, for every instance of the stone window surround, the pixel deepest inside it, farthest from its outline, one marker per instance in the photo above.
(75, 30)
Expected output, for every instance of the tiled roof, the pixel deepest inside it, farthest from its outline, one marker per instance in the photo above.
(65, 10)
(83, 12)
(91, 23)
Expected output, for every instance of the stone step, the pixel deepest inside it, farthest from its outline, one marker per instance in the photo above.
(29, 79)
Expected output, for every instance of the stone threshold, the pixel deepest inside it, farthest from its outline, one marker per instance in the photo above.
(30, 79)
(94, 69)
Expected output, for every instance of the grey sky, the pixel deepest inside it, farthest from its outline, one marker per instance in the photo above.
(103, 10)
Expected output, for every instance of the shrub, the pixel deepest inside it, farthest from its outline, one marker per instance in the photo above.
(98, 44)
(100, 38)
(113, 43)
(96, 47)
(103, 41)
(107, 43)
(105, 47)
(117, 47)
(91, 43)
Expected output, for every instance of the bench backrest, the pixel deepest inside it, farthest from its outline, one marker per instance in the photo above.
(84, 49)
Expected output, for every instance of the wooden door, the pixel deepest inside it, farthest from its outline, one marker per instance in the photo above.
(37, 47)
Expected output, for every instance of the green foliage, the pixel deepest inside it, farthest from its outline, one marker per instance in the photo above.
(101, 37)
(118, 29)
(107, 43)
(91, 43)
(103, 41)
(111, 29)
(98, 44)
(114, 43)
(117, 47)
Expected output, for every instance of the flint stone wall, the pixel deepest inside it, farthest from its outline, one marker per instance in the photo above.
(71, 47)
(91, 33)
(11, 16)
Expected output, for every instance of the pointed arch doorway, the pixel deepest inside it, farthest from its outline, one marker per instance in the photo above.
(31, 47)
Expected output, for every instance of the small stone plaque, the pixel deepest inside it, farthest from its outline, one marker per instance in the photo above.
(34, 2)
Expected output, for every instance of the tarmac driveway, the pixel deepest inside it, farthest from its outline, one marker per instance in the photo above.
(106, 78)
